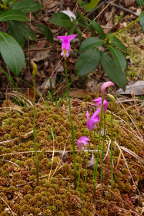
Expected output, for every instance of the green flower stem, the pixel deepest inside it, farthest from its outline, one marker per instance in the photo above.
(95, 170)
(74, 152)
(66, 75)
(36, 145)
(102, 135)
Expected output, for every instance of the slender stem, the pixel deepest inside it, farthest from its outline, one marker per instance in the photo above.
(72, 127)
(68, 81)
(102, 135)
(95, 171)
(74, 153)
(36, 146)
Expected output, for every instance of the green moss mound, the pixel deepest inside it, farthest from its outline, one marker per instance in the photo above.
(68, 186)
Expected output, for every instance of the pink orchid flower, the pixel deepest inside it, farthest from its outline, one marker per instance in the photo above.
(66, 39)
(82, 141)
(106, 85)
(98, 103)
(93, 120)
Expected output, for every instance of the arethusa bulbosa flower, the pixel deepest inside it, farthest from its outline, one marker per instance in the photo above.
(65, 40)
(93, 120)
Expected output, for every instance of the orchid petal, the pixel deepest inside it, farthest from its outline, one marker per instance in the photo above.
(82, 141)
(93, 120)
(98, 102)
(71, 37)
(106, 85)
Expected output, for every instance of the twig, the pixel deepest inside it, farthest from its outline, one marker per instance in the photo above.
(53, 139)
(126, 165)
(127, 100)
(108, 3)
(108, 148)
(132, 120)
(132, 130)
(12, 163)
(13, 214)
(7, 141)
(123, 8)
(98, 6)
(132, 154)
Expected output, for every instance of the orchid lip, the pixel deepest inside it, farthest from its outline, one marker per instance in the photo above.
(93, 120)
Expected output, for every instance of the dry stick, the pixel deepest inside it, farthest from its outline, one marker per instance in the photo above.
(118, 160)
(59, 166)
(132, 121)
(100, 5)
(118, 6)
(133, 133)
(12, 163)
(13, 214)
(119, 101)
(7, 141)
(53, 139)
(103, 9)
(122, 29)
(123, 8)
(138, 132)
(126, 165)
(108, 148)
(132, 130)
(132, 154)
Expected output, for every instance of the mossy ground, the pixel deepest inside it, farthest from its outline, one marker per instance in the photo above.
(134, 43)
(67, 186)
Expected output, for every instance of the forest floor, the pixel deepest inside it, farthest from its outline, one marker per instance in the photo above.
(42, 173)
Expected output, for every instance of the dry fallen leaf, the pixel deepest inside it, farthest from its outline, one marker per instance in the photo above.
(41, 55)
(49, 83)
